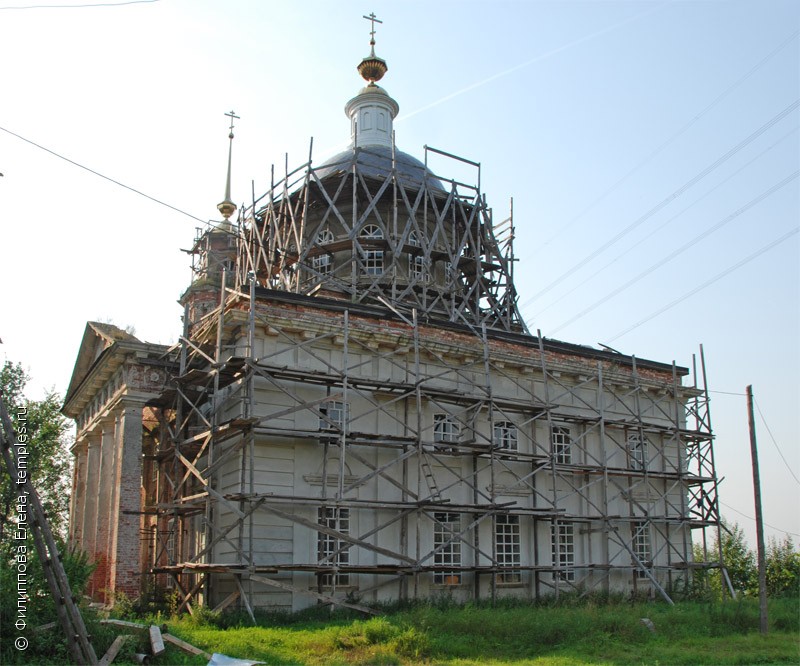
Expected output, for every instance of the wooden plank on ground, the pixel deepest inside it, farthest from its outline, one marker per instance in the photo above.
(123, 623)
(183, 645)
(113, 651)
(156, 641)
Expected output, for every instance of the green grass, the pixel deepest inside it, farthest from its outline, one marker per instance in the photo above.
(557, 635)
(569, 633)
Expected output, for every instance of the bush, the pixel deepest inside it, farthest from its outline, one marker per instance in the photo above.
(412, 642)
(41, 605)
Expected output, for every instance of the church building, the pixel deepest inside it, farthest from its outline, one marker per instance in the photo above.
(356, 412)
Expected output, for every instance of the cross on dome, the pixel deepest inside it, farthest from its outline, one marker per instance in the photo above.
(373, 20)
(372, 68)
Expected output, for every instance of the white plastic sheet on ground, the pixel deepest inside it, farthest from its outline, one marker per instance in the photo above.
(221, 660)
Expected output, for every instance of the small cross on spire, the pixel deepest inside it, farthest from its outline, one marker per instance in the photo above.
(373, 20)
(232, 115)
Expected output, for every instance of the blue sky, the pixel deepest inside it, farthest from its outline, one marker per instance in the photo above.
(651, 149)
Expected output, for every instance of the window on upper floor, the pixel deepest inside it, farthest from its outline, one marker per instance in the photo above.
(561, 442)
(334, 415)
(505, 435)
(373, 260)
(322, 262)
(637, 451)
(446, 430)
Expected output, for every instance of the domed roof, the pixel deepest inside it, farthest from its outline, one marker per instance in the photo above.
(376, 161)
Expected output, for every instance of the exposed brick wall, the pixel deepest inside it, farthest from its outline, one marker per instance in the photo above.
(569, 359)
(126, 563)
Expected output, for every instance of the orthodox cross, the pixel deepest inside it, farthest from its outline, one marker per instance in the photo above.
(232, 115)
(373, 20)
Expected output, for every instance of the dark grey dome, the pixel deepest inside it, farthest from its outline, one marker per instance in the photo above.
(376, 161)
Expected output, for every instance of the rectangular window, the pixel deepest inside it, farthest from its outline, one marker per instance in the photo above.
(332, 550)
(334, 415)
(505, 435)
(373, 262)
(563, 540)
(507, 545)
(416, 267)
(640, 532)
(322, 263)
(637, 451)
(445, 527)
(561, 439)
(445, 430)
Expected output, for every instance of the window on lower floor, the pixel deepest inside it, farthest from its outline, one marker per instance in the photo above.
(447, 547)
(563, 549)
(640, 533)
(507, 546)
(333, 551)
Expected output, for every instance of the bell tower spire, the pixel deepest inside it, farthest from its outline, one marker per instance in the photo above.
(227, 207)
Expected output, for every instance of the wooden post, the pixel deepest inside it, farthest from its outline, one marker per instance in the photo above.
(762, 566)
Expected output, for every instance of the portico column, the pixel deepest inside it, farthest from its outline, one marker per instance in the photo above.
(126, 566)
(104, 510)
(113, 503)
(89, 528)
(76, 500)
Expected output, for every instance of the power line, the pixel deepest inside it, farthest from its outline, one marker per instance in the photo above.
(664, 224)
(750, 204)
(672, 138)
(98, 4)
(707, 283)
(774, 441)
(531, 61)
(665, 202)
(744, 515)
(97, 173)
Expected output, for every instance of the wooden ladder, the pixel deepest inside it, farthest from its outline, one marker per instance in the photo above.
(69, 615)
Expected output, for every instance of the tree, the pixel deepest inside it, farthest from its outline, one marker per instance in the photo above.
(783, 568)
(782, 560)
(48, 468)
(48, 463)
(739, 560)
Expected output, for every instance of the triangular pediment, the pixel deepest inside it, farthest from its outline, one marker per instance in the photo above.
(97, 338)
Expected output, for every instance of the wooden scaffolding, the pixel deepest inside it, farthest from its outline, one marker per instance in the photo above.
(440, 317)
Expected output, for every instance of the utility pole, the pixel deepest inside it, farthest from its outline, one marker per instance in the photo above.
(762, 564)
